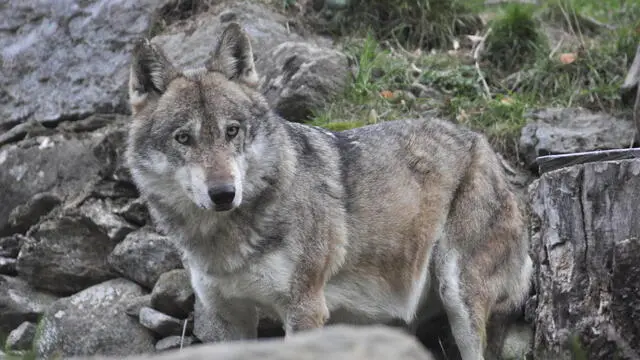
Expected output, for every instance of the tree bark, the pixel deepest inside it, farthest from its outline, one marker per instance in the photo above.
(586, 245)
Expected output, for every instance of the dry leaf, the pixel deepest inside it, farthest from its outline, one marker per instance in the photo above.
(462, 116)
(506, 101)
(567, 58)
(386, 94)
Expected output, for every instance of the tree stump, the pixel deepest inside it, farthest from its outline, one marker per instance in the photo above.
(586, 247)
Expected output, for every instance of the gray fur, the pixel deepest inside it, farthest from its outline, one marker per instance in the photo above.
(399, 220)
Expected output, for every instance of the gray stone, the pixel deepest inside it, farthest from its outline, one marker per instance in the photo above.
(189, 43)
(19, 302)
(144, 255)
(66, 254)
(94, 321)
(63, 165)
(300, 77)
(585, 247)
(27, 215)
(22, 337)
(162, 324)
(102, 213)
(8, 266)
(10, 245)
(173, 294)
(564, 131)
(67, 59)
(174, 342)
(132, 306)
(338, 342)
(135, 212)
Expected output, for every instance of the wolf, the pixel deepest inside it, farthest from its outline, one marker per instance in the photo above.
(399, 220)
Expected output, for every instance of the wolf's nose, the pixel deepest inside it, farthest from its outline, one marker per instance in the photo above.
(223, 194)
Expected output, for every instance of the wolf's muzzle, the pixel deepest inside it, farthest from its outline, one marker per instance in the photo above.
(222, 196)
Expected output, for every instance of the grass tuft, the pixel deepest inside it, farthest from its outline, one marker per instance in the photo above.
(515, 40)
(411, 23)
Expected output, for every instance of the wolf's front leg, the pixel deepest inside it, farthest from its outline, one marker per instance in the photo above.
(311, 312)
(228, 320)
(225, 319)
(307, 308)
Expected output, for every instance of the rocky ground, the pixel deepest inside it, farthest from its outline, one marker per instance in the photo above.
(83, 271)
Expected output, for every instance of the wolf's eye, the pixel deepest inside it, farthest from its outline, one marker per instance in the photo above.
(232, 131)
(183, 138)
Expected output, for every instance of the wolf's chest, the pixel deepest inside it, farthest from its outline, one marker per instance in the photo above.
(265, 281)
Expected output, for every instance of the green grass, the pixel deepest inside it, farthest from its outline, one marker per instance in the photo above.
(521, 65)
(379, 70)
(411, 23)
(515, 40)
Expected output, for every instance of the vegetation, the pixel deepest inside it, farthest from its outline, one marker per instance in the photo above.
(421, 23)
(563, 53)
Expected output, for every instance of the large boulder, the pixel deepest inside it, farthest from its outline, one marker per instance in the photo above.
(299, 77)
(64, 165)
(570, 130)
(298, 73)
(189, 43)
(337, 342)
(585, 245)
(66, 254)
(19, 302)
(93, 322)
(66, 59)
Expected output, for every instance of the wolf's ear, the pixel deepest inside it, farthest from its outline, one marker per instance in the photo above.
(150, 73)
(233, 56)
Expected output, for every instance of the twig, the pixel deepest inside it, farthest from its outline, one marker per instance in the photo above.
(476, 56)
(556, 48)
(184, 332)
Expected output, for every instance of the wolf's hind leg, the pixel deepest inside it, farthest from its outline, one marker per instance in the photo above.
(466, 308)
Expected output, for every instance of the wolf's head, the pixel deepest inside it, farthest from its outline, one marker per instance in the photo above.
(192, 129)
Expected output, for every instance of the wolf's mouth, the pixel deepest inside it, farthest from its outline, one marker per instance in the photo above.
(223, 207)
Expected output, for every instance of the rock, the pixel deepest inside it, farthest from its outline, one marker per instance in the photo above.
(585, 247)
(10, 245)
(63, 165)
(27, 215)
(339, 342)
(66, 254)
(114, 190)
(162, 324)
(144, 255)
(8, 266)
(102, 213)
(19, 302)
(173, 342)
(133, 306)
(22, 337)
(299, 77)
(67, 59)
(94, 321)
(188, 43)
(135, 212)
(173, 295)
(563, 131)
